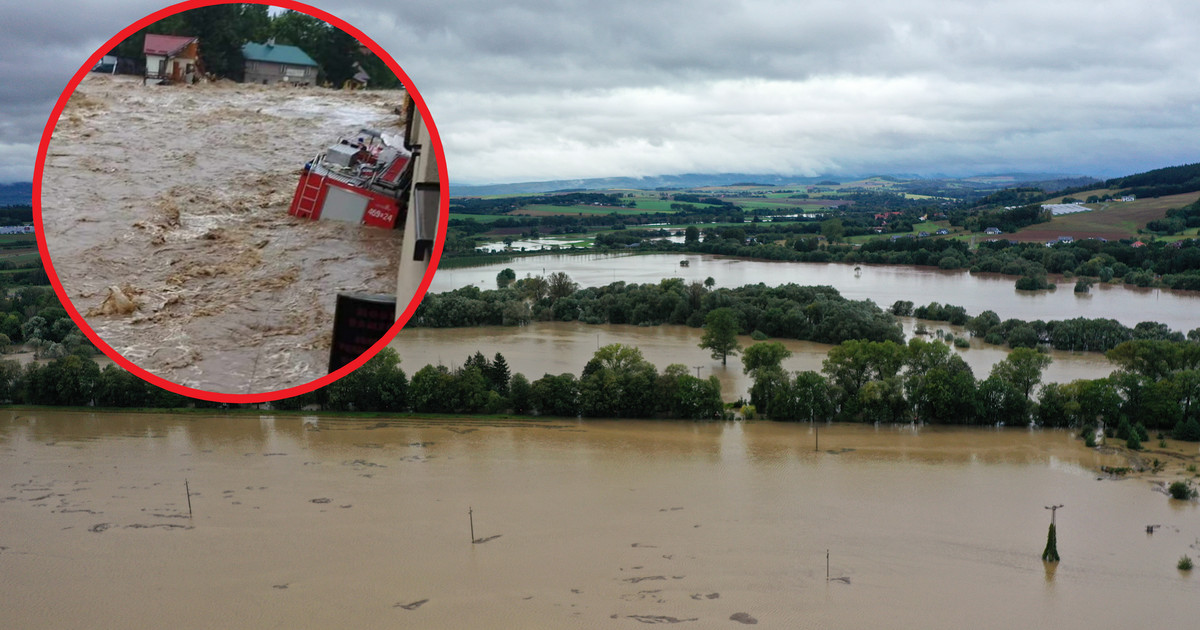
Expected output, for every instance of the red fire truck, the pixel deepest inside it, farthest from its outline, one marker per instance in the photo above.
(361, 179)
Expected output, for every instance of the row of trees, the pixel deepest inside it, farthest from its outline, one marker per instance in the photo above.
(817, 313)
(868, 381)
(1156, 387)
(1077, 334)
(616, 383)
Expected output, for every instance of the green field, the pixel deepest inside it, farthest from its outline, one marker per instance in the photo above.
(481, 218)
(548, 210)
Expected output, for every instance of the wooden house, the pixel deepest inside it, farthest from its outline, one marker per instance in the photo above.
(272, 63)
(171, 59)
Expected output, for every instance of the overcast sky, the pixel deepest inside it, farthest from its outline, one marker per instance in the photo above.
(558, 89)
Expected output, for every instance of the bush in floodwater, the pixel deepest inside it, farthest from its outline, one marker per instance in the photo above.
(1185, 563)
(961, 342)
(1132, 442)
(759, 335)
(1181, 490)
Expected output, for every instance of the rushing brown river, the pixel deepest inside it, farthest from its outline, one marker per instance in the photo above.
(179, 196)
(557, 347)
(317, 523)
(884, 284)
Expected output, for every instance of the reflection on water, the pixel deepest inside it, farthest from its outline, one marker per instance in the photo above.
(312, 522)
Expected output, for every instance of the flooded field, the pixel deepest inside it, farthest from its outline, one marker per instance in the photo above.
(179, 195)
(884, 284)
(316, 523)
(557, 347)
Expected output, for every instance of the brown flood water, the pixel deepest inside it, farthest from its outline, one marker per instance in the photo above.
(317, 523)
(884, 284)
(180, 195)
(557, 347)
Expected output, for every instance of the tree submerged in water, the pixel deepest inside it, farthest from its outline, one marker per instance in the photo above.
(1051, 552)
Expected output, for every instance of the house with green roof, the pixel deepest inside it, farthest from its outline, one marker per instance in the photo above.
(272, 63)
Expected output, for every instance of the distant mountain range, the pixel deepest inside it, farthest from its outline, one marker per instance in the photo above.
(18, 194)
(21, 193)
(699, 180)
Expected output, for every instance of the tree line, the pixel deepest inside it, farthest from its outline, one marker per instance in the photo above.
(815, 313)
(1156, 387)
(1169, 265)
(1077, 334)
(616, 383)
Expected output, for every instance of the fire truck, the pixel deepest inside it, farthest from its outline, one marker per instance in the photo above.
(360, 179)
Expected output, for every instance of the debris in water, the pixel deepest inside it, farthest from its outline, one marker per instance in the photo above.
(661, 619)
(413, 606)
(117, 303)
(742, 617)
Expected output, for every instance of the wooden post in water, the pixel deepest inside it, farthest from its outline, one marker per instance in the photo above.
(817, 446)
(471, 516)
(826, 565)
(189, 496)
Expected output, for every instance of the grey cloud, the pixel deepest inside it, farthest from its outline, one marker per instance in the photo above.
(542, 89)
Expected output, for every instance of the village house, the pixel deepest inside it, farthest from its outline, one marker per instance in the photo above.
(171, 59)
(993, 230)
(272, 63)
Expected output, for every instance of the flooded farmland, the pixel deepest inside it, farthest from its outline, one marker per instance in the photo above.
(883, 284)
(178, 196)
(557, 347)
(310, 522)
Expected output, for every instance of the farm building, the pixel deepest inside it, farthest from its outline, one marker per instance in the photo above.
(993, 230)
(271, 63)
(171, 58)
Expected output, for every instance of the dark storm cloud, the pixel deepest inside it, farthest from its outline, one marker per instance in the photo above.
(44, 45)
(542, 89)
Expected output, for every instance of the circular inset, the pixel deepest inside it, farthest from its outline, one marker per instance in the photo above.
(231, 240)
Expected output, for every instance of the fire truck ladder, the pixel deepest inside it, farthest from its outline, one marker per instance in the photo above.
(311, 192)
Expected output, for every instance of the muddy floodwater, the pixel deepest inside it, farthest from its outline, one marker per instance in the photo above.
(557, 347)
(884, 284)
(318, 523)
(179, 196)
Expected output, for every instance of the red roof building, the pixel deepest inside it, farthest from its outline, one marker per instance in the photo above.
(171, 58)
